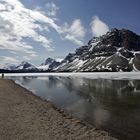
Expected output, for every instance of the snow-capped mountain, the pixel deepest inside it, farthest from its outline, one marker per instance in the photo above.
(48, 61)
(9, 67)
(118, 50)
(25, 66)
(22, 67)
(49, 64)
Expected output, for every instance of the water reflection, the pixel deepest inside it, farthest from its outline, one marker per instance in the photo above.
(112, 105)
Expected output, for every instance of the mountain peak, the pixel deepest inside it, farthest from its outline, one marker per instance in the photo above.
(117, 38)
(111, 52)
(25, 66)
(120, 30)
(49, 60)
(49, 64)
(24, 62)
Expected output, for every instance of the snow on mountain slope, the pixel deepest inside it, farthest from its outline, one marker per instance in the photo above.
(9, 67)
(43, 67)
(22, 66)
(72, 66)
(25, 66)
(49, 64)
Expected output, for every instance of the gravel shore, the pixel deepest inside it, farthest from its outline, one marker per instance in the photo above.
(24, 116)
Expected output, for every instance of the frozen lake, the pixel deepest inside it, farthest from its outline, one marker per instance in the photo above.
(92, 75)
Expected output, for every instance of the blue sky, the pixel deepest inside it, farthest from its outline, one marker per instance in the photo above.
(32, 30)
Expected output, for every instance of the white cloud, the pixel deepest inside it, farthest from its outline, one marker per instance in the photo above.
(13, 52)
(33, 55)
(52, 9)
(75, 32)
(98, 27)
(74, 39)
(77, 29)
(18, 22)
(5, 60)
(29, 56)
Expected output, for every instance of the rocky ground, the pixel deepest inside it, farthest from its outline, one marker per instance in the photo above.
(26, 116)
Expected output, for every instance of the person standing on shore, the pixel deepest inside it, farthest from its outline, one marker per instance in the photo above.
(2, 75)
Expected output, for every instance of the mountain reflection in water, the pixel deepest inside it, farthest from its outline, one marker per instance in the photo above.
(111, 105)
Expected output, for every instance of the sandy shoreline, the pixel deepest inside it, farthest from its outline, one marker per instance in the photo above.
(26, 116)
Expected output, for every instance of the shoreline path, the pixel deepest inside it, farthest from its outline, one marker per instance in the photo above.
(24, 116)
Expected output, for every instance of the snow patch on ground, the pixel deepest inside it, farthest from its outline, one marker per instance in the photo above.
(92, 75)
(44, 67)
(135, 69)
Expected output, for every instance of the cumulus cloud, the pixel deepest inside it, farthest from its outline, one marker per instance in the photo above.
(98, 27)
(74, 32)
(18, 22)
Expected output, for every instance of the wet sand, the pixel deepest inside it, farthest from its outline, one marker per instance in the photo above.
(24, 116)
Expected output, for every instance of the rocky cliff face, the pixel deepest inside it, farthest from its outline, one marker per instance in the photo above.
(118, 50)
(49, 64)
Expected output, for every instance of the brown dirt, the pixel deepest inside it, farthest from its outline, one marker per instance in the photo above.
(24, 116)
